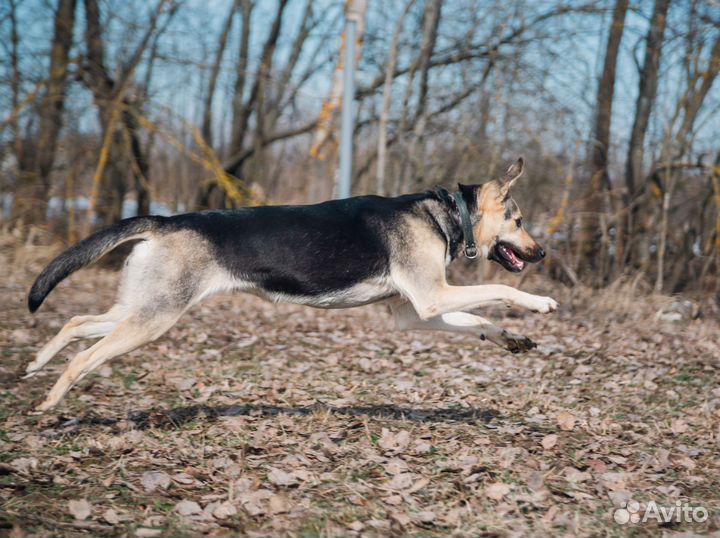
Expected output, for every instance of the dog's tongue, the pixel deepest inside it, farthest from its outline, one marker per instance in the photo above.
(514, 259)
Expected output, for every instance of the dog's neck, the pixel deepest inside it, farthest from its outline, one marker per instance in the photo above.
(458, 231)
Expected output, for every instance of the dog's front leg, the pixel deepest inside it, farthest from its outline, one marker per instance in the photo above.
(406, 318)
(443, 299)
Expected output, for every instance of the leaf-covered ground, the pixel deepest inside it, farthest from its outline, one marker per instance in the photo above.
(275, 420)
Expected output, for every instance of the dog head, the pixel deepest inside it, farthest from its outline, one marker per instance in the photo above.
(499, 228)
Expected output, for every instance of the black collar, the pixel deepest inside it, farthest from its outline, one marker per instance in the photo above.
(458, 201)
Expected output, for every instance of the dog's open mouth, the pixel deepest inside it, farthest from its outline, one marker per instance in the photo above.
(504, 254)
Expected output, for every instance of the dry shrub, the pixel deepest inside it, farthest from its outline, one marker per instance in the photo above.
(25, 251)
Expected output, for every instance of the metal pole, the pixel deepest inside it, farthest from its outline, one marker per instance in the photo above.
(347, 120)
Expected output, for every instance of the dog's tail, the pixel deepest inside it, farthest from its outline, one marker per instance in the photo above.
(87, 251)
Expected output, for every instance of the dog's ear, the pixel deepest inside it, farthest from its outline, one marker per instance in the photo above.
(511, 176)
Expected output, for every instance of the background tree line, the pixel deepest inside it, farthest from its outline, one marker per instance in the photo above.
(117, 108)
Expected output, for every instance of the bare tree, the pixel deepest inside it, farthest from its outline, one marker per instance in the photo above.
(386, 99)
(667, 174)
(270, 93)
(431, 20)
(241, 77)
(646, 95)
(32, 195)
(593, 199)
(242, 110)
(15, 82)
(215, 72)
(116, 109)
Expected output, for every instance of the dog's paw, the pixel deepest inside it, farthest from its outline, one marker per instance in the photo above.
(33, 368)
(46, 405)
(544, 305)
(28, 373)
(517, 343)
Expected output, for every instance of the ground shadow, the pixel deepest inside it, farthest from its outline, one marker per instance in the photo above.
(177, 417)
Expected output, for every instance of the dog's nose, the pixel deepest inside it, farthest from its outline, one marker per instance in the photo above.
(541, 253)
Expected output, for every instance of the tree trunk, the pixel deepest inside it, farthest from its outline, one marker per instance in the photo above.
(646, 96)
(387, 96)
(634, 164)
(138, 156)
(590, 232)
(32, 196)
(281, 87)
(238, 135)
(127, 163)
(15, 84)
(215, 71)
(431, 21)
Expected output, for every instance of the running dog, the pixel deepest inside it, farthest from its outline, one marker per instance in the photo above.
(336, 254)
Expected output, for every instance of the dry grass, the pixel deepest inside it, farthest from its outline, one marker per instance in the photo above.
(264, 420)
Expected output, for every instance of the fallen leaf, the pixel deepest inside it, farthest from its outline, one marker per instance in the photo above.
(24, 465)
(278, 505)
(549, 441)
(224, 510)
(424, 517)
(549, 516)
(497, 490)
(80, 509)
(255, 502)
(535, 480)
(401, 482)
(154, 521)
(566, 421)
(183, 478)
(678, 426)
(281, 478)
(452, 517)
(110, 516)
(152, 480)
(395, 442)
(597, 465)
(422, 447)
(184, 384)
(574, 475)
(401, 518)
(396, 466)
(418, 485)
(686, 462)
(187, 508)
(144, 532)
(614, 481)
(380, 524)
(619, 497)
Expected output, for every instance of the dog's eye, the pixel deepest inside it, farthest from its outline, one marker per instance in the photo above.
(518, 222)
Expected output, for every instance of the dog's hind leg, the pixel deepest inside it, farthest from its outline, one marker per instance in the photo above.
(406, 318)
(129, 334)
(163, 277)
(77, 328)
